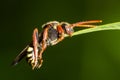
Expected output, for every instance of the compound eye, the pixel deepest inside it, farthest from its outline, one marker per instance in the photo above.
(66, 27)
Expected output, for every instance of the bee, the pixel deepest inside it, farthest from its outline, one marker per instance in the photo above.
(52, 33)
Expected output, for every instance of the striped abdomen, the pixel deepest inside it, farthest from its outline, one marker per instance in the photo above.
(28, 53)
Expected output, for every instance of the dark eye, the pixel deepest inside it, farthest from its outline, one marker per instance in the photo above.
(64, 26)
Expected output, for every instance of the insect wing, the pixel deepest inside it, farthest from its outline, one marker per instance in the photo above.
(22, 54)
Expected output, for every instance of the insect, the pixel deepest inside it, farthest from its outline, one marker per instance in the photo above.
(53, 32)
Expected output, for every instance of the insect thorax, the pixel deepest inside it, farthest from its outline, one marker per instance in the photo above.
(52, 31)
(52, 35)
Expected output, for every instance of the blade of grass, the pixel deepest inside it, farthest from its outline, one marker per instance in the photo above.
(110, 26)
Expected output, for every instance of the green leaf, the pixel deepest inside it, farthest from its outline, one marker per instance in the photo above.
(111, 26)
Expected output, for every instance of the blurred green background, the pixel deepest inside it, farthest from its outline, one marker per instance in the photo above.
(93, 56)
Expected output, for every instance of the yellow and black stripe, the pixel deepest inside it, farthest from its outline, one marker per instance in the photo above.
(28, 53)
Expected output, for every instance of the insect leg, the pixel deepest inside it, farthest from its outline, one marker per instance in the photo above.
(35, 48)
(85, 23)
(44, 46)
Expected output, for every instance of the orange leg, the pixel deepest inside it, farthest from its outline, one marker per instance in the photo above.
(35, 48)
(44, 46)
(85, 23)
(61, 35)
